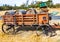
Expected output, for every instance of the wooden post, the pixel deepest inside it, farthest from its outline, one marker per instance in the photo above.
(22, 19)
(36, 18)
(33, 19)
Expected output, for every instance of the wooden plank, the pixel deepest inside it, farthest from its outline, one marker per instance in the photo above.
(33, 19)
(28, 23)
(28, 17)
(36, 19)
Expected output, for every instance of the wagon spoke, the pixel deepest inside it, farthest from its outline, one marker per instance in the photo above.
(7, 29)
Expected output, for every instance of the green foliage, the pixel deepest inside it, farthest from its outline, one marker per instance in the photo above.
(23, 6)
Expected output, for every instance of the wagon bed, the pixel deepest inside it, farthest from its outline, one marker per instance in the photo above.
(26, 19)
(20, 20)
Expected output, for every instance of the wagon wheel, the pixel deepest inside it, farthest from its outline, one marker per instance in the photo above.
(43, 28)
(52, 31)
(17, 28)
(8, 29)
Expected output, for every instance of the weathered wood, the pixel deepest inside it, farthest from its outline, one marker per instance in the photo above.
(26, 18)
(40, 18)
(36, 19)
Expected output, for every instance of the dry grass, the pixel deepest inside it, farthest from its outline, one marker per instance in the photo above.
(27, 36)
(2, 13)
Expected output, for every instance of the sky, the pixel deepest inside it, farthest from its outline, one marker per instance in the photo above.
(20, 2)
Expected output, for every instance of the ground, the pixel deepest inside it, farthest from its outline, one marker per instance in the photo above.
(27, 36)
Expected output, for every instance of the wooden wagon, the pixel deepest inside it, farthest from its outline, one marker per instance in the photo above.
(11, 21)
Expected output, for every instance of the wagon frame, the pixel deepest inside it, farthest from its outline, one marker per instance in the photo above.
(20, 20)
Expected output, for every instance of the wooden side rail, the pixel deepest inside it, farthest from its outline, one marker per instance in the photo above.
(8, 19)
(27, 19)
